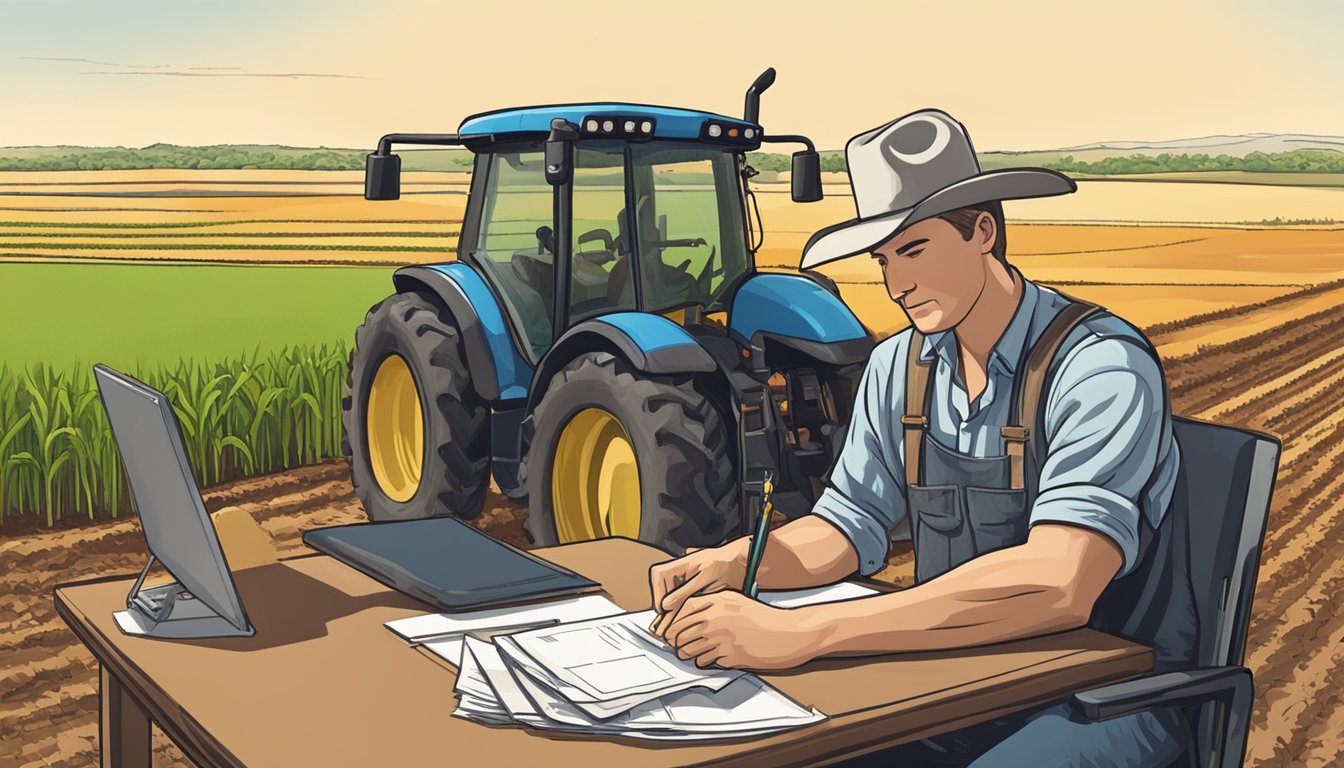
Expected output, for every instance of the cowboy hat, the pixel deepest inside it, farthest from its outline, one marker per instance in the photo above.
(914, 168)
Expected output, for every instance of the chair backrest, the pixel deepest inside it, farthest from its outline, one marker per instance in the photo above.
(1223, 493)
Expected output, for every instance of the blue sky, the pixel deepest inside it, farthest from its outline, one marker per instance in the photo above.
(341, 72)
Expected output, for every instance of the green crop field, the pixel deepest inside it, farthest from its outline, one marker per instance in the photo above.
(252, 357)
(138, 315)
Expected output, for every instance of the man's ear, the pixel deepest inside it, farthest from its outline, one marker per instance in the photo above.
(986, 232)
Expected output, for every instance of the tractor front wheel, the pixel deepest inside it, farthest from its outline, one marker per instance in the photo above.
(417, 435)
(615, 452)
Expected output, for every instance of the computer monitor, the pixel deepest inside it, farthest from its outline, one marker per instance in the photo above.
(204, 602)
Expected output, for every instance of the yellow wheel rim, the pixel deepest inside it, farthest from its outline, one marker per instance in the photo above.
(396, 430)
(595, 479)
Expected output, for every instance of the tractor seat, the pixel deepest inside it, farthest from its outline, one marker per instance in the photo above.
(537, 276)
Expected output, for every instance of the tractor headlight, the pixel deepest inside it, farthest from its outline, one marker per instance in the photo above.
(715, 130)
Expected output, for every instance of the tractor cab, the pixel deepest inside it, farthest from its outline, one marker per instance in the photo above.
(647, 214)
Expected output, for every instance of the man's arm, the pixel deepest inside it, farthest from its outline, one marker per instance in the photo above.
(1047, 584)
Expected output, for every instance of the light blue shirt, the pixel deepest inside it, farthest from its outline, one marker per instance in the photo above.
(1110, 455)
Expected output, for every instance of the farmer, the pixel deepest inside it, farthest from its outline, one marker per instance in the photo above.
(1035, 494)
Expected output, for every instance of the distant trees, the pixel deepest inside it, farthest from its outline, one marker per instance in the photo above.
(1296, 161)
(226, 156)
(831, 162)
(221, 156)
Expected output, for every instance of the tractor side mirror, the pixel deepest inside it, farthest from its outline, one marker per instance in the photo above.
(382, 177)
(560, 150)
(806, 177)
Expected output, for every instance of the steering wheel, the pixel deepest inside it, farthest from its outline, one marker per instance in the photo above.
(545, 239)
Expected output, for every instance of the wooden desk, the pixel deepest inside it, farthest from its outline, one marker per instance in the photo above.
(323, 682)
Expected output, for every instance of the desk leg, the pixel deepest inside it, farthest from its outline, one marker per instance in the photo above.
(123, 727)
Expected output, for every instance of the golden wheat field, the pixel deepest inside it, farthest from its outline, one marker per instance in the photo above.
(1249, 322)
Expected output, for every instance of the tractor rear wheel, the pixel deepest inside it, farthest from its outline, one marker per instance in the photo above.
(417, 435)
(611, 451)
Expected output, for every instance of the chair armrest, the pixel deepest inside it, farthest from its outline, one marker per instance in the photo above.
(1195, 686)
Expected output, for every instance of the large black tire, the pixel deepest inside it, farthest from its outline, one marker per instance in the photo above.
(455, 471)
(688, 486)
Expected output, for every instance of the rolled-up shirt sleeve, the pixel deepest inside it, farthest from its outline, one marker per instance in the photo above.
(1103, 430)
(865, 495)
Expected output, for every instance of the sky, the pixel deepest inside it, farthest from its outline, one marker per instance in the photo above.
(340, 73)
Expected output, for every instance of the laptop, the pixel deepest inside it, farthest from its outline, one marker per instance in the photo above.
(204, 600)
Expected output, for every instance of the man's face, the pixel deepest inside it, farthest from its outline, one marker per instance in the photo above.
(933, 273)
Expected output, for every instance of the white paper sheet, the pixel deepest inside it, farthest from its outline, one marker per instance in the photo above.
(831, 593)
(447, 629)
(610, 665)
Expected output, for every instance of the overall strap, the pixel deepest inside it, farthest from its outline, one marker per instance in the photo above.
(915, 421)
(1031, 382)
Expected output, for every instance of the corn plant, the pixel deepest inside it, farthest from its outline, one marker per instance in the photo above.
(240, 417)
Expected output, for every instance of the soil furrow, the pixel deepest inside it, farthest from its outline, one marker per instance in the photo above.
(1295, 575)
(1163, 331)
(1301, 664)
(1199, 382)
(1268, 401)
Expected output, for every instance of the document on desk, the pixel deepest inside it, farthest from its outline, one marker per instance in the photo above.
(747, 706)
(608, 665)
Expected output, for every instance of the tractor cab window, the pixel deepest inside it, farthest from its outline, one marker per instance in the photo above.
(688, 213)
(514, 247)
(600, 268)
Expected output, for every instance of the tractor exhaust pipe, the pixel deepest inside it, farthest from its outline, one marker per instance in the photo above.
(753, 108)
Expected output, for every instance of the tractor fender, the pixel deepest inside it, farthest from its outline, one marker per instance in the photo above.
(498, 372)
(802, 313)
(650, 343)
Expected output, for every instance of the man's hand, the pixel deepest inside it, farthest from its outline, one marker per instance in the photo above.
(700, 571)
(732, 630)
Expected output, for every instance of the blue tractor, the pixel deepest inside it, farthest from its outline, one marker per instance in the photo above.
(603, 345)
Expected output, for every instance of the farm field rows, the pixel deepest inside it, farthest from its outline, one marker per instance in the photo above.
(1248, 322)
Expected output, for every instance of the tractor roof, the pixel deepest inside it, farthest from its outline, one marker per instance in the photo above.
(667, 122)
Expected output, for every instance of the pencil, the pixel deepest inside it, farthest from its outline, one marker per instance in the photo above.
(757, 551)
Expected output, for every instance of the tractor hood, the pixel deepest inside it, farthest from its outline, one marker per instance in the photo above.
(798, 317)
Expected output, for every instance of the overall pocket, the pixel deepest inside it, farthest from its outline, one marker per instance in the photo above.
(942, 540)
(998, 517)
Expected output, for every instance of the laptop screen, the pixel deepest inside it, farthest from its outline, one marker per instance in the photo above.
(163, 491)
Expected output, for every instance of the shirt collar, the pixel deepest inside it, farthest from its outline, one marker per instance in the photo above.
(1009, 349)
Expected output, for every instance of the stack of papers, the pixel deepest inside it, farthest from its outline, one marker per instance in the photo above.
(581, 665)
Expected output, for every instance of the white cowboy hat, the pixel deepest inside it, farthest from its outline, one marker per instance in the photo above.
(915, 168)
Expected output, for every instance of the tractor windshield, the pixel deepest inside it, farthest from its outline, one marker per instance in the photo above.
(689, 220)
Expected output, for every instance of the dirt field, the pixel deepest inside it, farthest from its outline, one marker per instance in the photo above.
(1249, 322)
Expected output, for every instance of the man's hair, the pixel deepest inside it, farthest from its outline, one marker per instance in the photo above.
(963, 219)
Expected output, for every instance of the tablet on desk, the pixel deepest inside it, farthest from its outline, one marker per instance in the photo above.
(445, 562)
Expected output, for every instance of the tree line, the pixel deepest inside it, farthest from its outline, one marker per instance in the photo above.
(216, 157)
(1295, 161)
(243, 158)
